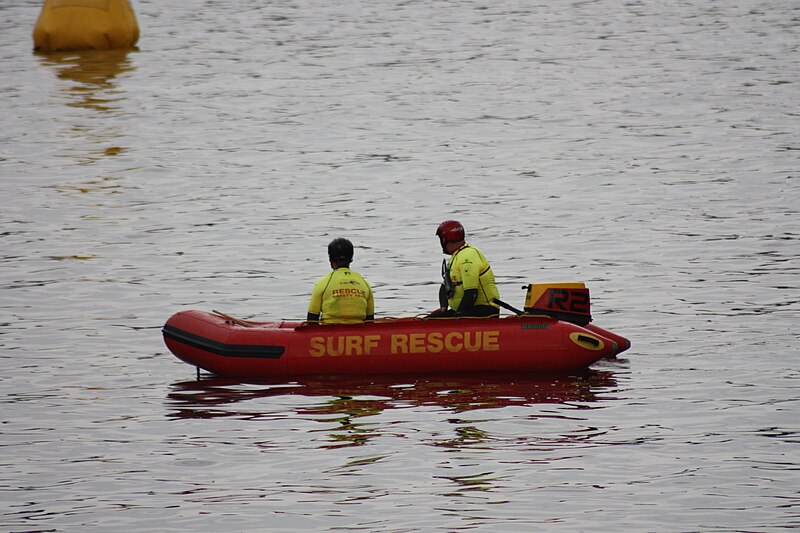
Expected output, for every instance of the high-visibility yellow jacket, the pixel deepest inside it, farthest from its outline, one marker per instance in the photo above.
(342, 297)
(468, 269)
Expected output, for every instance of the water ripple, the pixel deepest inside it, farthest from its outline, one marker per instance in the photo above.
(648, 149)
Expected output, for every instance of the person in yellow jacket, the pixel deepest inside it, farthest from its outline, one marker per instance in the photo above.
(341, 296)
(468, 287)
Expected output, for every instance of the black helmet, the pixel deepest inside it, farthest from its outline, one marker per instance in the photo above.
(340, 250)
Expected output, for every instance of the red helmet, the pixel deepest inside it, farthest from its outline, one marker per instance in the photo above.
(450, 231)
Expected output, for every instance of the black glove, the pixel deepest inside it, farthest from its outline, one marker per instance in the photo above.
(469, 299)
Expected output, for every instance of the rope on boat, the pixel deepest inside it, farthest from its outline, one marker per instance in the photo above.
(233, 319)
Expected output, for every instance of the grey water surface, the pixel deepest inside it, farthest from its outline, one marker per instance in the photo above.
(649, 149)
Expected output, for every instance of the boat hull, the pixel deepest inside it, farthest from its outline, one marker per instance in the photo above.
(260, 350)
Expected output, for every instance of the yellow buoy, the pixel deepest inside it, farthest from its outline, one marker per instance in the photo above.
(85, 25)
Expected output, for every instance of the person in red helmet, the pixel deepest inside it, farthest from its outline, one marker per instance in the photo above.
(341, 296)
(468, 287)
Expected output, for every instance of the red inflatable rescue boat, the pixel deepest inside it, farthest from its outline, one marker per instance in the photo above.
(553, 334)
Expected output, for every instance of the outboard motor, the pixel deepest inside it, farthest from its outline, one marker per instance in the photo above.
(563, 301)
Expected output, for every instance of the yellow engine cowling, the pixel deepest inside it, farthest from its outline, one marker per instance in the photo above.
(563, 301)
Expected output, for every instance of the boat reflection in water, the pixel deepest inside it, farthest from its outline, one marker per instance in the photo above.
(343, 400)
